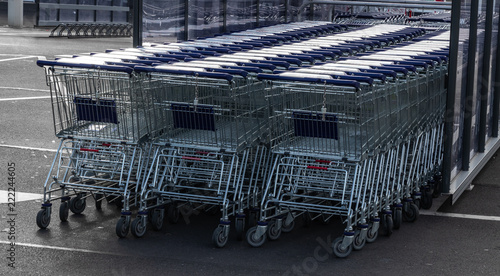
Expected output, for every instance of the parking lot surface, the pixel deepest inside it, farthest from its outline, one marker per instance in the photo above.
(462, 239)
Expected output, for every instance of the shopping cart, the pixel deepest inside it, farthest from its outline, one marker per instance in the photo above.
(210, 153)
(103, 120)
(351, 152)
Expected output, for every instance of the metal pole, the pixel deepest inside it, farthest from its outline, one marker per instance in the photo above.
(311, 12)
(137, 27)
(450, 96)
(485, 77)
(77, 16)
(186, 20)
(257, 13)
(224, 16)
(95, 12)
(37, 13)
(286, 11)
(496, 91)
(15, 13)
(469, 92)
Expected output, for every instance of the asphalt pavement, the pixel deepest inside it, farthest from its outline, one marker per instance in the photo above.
(462, 239)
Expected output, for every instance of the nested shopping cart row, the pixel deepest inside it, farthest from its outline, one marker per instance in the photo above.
(326, 124)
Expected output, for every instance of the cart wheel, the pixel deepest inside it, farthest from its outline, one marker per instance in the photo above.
(387, 224)
(273, 233)
(341, 252)
(64, 211)
(287, 228)
(358, 242)
(398, 217)
(43, 218)
(427, 199)
(251, 239)
(411, 214)
(240, 228)
(173, 213)
(157, 219)
(138, 227)
(98, 201)
(77, 205)
(371, 236)
(219, 237)
(122, 227)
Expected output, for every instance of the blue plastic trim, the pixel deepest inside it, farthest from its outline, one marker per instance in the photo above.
(349, 234)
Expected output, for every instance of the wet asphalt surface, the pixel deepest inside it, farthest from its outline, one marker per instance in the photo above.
(435, 244)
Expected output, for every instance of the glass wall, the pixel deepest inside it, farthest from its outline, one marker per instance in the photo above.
(54, 12)
(163, 20)
(205, 18)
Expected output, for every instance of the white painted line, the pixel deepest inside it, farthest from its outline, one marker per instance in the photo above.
(28, 148)
(4, 196)
(465, 216)
(14, 55)
(65, 248)
(10, 59)
(24, 98)
(24, 89)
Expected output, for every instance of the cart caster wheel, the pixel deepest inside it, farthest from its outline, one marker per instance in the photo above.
(64, 211)
(411, 214)
(255, 242)
(173, 214)
(398, 217)
(98, 201)
(138, 227)
(240, 228)
(219, 237)
(387, 225)
(43, 218)
(427, 199)
(287, 228)
(273, 233)
(338, 250)
(122, 227)
(77, 205)
(358, 242)
(371, 235)
(157, 219)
